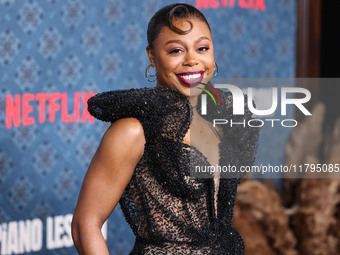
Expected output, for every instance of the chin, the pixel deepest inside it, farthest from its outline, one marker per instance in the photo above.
(191, 91)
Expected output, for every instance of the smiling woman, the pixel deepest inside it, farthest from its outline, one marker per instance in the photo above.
(182, 50)
(145, 158)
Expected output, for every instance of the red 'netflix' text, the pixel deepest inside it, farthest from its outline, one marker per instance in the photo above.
(19, 108)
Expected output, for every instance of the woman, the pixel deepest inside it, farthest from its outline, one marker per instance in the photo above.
(145, 157)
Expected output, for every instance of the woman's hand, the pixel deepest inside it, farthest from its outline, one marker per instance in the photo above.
(109, 172)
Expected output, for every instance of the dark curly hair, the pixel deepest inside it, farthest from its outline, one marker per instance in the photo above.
(164, 17)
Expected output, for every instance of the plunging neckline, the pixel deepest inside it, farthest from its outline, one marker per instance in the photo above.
(205, 159)
(184, 130)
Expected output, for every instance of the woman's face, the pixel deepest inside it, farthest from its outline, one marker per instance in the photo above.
(183, 60)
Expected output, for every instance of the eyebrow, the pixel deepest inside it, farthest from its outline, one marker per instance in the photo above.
(181, 42)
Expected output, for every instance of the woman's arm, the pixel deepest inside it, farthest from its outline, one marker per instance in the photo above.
(109, 173)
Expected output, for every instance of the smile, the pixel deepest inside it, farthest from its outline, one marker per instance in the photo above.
(191, 78)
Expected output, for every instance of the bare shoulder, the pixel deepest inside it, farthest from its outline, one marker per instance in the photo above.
(127, 126)
(125, 134)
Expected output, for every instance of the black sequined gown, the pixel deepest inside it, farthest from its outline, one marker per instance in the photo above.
(169, 211)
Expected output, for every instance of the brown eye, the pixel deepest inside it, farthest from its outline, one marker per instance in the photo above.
(203, 48)
(175, 51)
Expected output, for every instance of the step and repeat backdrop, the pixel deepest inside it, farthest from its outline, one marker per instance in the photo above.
(55, 54)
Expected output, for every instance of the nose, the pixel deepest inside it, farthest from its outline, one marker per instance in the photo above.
(190, 59)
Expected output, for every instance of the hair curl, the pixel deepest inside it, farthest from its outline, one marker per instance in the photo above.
(165, 17)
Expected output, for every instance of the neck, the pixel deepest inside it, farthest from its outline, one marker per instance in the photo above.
(192, 100)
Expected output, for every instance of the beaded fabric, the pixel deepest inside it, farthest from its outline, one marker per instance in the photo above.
(169, 211)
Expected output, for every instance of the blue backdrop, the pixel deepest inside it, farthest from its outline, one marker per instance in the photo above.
(54, 54)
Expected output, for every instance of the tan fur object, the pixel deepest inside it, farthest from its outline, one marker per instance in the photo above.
(265, 205)
(305, 140)
(306, 137)
(256, 242)
(315, 216)
(332, 152)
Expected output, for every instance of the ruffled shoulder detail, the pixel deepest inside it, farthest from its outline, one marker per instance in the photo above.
(155, 107)
(112, 105)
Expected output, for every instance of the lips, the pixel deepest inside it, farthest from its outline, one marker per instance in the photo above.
(191, 78)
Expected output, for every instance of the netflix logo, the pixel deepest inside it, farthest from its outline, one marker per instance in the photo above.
(244, 4)
(20, 107)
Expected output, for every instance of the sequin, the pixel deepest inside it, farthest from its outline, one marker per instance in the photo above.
(169, 211)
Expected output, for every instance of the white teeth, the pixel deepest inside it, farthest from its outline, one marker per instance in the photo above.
(191, 76)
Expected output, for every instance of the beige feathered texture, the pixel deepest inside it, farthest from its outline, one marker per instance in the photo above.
(306, 137)
(314, 199)
(332, 145)
(305, 140)
(265, 206)
(332, 150)
(251, 232)
(304, 218)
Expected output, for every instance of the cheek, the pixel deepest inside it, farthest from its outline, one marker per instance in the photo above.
(209, 62)
(168, 64)
(211, 65)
